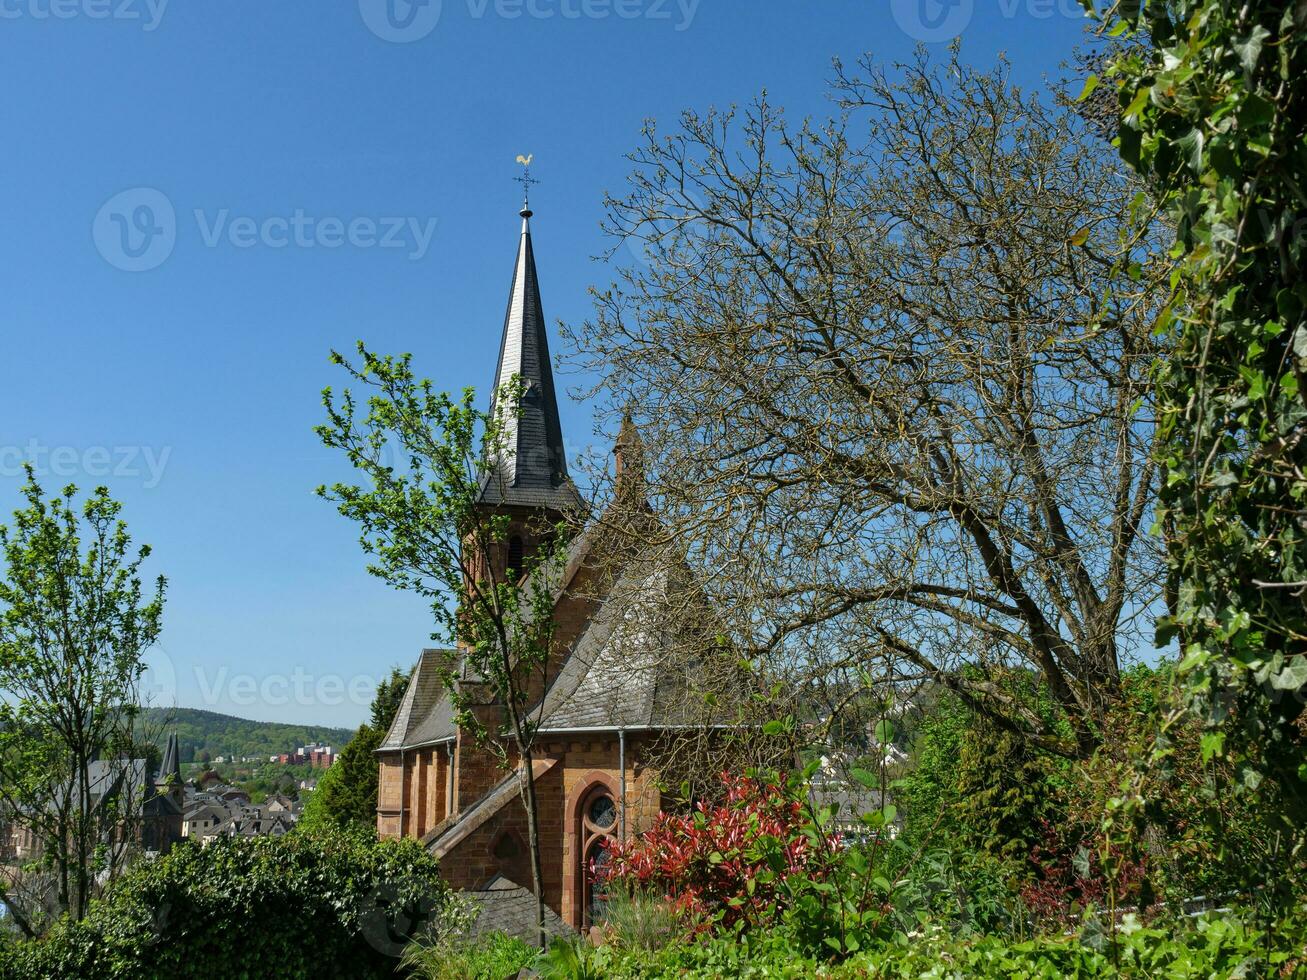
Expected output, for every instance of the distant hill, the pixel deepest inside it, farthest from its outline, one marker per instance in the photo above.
(207, 731)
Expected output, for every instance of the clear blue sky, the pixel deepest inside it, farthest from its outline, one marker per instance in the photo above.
(191, 388)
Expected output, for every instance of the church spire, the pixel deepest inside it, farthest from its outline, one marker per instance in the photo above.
(170, 767)
(532, 470)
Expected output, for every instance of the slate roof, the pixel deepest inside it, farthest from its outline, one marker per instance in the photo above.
(533, 470)
(171, 768)
(508, 907)
(848, 800)
(425, 716)
(614, 677)
(617, 676)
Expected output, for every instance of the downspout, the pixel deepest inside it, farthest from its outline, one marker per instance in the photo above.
(449, 780)
(621, 765)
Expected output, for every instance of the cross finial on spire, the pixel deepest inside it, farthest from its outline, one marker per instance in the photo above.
(526, 180)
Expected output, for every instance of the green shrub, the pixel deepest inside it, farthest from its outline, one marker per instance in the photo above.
(639, 920)
(1211, 946)
(303, 905)
(494, 956)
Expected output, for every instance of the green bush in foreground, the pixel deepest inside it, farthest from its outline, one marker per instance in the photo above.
(491, 957)
(303, 905)
(1210, 946)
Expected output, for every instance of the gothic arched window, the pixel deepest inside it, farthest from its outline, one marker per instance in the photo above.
(598, 821)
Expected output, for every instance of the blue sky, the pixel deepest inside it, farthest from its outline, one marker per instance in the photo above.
(190, 386)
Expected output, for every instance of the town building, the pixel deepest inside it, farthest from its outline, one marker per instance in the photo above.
(136, 808)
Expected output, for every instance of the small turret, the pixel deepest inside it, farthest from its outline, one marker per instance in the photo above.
(629, 453)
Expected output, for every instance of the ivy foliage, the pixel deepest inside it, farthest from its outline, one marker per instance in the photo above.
(1212, 115)
(325, 906)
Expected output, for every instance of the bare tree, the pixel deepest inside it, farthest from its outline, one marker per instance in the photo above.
(894, 386)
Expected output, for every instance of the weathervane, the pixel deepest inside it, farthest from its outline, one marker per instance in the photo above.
(526, 180)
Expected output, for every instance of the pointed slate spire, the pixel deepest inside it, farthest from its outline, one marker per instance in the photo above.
(170, 768)
(532, 472)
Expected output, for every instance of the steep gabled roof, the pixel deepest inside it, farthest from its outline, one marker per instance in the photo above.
(624, 670)
(532, 472)
(170, 768)
(425, 716)
(619, 674)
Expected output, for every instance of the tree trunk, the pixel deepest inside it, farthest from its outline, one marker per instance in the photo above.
(533, 841)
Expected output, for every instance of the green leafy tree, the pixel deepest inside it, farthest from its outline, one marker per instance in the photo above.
(346, 794)
(1212, 115)
(75, 623)
(927, 794)
(385, 703)
(425, 530)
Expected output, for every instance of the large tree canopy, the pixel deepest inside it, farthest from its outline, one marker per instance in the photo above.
(893, 375)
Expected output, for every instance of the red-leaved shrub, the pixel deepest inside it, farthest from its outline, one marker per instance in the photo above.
(1066, 878)
(726, 862)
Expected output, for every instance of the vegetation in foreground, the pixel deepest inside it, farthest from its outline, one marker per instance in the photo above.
(323, 905)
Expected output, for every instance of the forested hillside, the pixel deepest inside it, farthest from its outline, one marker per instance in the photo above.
(205, 735)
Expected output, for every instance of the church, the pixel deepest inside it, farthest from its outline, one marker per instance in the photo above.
(609, 693)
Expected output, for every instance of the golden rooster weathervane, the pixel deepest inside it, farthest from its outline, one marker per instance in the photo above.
(526, 180)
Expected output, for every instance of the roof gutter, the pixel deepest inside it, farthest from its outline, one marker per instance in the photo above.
(414, 745)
